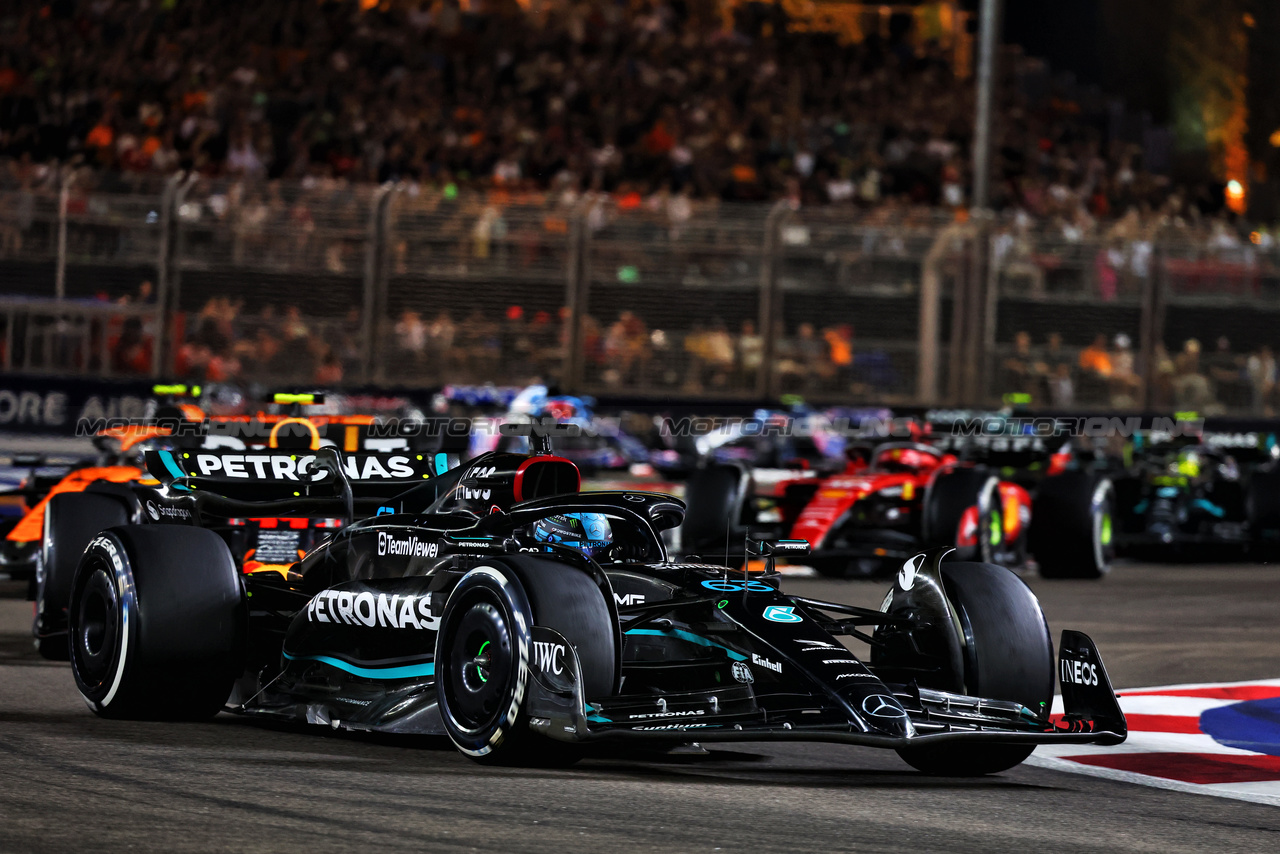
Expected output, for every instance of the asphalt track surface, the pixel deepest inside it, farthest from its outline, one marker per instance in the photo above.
(72, 782)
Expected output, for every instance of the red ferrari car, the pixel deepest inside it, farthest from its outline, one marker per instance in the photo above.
(894, 499)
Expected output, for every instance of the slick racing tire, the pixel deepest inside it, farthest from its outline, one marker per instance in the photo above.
(1072, 525)
(1008, 655)
(484, 655)
(71, 520)
(1128, 496)
(950, 493)
(715, 497)
(157, 623)
(1262, 505)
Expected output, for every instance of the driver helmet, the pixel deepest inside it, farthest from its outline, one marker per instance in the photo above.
(589, 533)
(904, 460)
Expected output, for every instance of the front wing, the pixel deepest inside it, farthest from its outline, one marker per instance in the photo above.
(1092, 713)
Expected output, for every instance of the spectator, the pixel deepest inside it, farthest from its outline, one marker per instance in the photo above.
(1261, 370)
(840, 353)
(132, 353)
(642, 118)
(1061, 386)
(1227, 375)
(265, 353)
(695, 348)
(626, 349)
(1018, 370)
(330, 370)
(1126, 385)
(440, 340)
(1160, 394)
(719, 355)
(1191, 390)
(349, 344)
(1188, 361)
(1095, 359)
(17, 212)
(810, 354)
(587, 95)
(1092, 384)
(750, 353)
(1046, 365)
(294, 327)
(411, 336)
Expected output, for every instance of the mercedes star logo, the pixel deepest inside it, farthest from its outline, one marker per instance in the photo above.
(907, 575)
(883, 706)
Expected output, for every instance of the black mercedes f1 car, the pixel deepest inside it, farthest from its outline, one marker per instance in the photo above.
(498, 606)
(1212, 491)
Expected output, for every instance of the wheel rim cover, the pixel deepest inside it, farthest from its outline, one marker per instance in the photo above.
(95, 635)
(480, 667)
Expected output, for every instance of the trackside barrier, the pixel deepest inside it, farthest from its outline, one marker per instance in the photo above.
(331, 283)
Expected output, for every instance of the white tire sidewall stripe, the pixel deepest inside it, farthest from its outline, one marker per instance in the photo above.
(124, 595)
(1104, 491)
(522, 668)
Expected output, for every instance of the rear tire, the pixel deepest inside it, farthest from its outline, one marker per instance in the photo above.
(1073, 525)
(715, 497)
(1008, 655)
(71, 520)
(1262, 505)
(484, 654)
(157, 623)
(950, 494)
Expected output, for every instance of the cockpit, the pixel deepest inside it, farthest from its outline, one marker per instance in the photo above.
(907, 458)
(1199, 462)
(605, 537)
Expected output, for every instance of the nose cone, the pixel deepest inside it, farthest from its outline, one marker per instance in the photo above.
(884, 714)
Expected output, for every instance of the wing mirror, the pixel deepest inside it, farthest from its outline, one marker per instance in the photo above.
(770, 549)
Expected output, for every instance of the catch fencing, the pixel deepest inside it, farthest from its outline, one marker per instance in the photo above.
(328, 283)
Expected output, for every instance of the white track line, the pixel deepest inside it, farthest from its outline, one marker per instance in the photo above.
(1140, 741)
(1211, 789)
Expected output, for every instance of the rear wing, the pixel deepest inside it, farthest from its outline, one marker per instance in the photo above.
(271, 475)
(1245, 445)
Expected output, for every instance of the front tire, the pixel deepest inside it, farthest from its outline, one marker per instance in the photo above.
(1262, 505)
(1008, 655)
(156, 623)
(484, 654)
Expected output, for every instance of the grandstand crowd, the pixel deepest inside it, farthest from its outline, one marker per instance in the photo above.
(228, 344)
(641, 97)
(499, 122)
